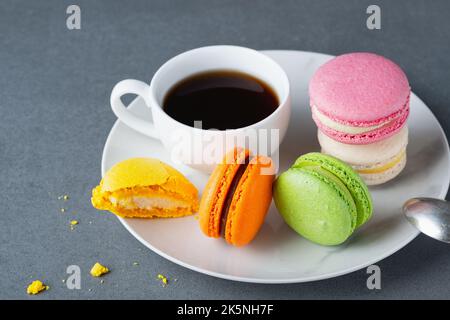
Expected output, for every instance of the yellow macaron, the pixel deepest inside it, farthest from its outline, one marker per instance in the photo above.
(145, 188)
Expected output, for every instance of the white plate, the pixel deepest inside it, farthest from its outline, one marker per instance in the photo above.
(278, 254)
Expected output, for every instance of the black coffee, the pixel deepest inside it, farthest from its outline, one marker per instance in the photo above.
(221, 100)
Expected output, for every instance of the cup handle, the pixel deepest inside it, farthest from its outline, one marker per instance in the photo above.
(141, 89)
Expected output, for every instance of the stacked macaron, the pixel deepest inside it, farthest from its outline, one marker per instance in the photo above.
(360, 103)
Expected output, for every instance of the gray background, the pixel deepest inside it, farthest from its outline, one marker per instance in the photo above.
(55, 117)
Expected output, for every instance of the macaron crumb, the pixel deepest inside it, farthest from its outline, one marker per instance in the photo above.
(62, 210)
(73, 223)
(102, 281)
(64, 197)
(98, 270)
(135, 263)
(163, 279)
(36, 287)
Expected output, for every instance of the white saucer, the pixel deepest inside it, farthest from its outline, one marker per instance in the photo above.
(278, 254)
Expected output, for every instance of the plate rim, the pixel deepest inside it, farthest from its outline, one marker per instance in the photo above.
(274, 280)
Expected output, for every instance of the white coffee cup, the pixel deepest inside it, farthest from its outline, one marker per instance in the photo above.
(199, 148)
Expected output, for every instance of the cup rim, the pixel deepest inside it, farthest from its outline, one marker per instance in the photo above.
(282, 103)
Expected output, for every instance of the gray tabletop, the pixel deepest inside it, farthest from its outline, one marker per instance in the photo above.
(55, 117)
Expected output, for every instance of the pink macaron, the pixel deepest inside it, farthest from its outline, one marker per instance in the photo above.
(359, 98)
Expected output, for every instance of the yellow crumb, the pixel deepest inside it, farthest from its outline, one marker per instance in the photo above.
(74, 222)
(98, 270)
(63, 210)
(65, 197)
(163, 279)
(36, 286)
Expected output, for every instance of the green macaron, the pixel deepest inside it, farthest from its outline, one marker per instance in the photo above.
(322, 198)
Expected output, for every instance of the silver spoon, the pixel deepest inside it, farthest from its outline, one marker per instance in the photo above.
(430, 216)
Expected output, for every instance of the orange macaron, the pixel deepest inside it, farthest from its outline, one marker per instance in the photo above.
(237, 197)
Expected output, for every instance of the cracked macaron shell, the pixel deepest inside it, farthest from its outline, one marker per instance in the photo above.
(144, 177)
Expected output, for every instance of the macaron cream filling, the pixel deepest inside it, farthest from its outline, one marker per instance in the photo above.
(143, 202)
(148, 203)
(328, 122)
(383, 166)
(229, 197)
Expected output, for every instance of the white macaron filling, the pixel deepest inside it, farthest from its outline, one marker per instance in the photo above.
(148, 203)
(326, 121)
